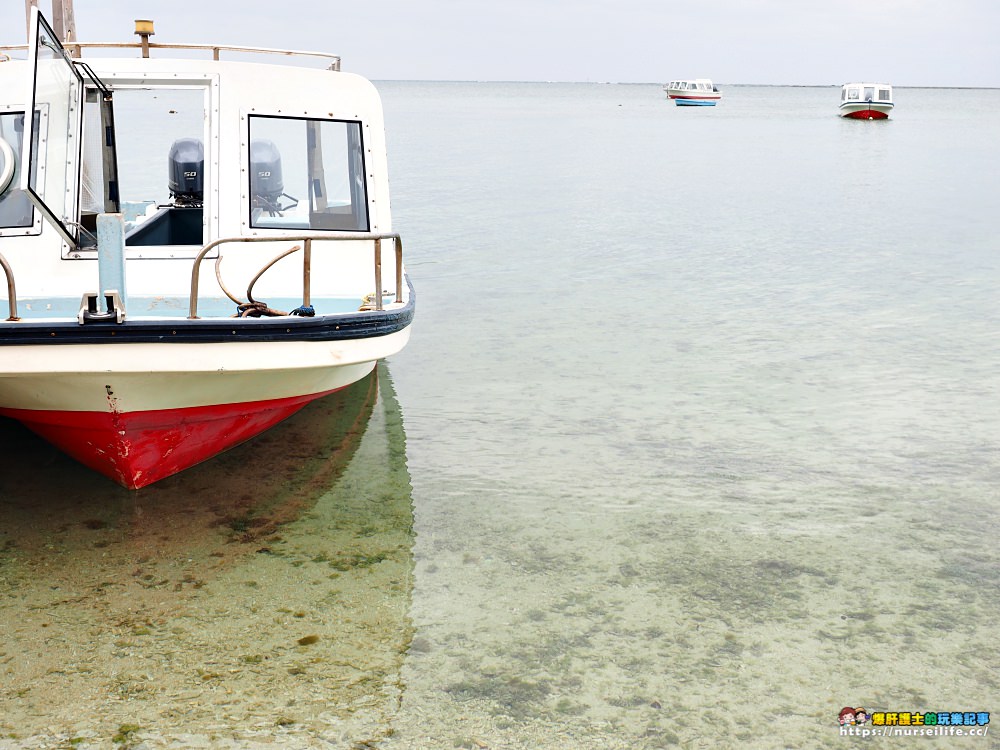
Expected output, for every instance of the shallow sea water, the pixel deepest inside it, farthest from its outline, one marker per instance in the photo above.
(255, 600)
(694, 444)
(702, 413)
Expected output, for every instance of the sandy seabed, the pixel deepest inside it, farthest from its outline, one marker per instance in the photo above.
(259, 600)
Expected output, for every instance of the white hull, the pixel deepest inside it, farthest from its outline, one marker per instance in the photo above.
(147, 377)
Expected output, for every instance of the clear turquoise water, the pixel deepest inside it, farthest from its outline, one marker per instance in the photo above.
(703, 410)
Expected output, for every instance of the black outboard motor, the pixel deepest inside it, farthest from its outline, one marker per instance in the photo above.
(265, 170)
(186, 176)
(266, 183)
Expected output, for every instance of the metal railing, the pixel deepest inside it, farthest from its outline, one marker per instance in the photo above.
(215, 49)
(307, 241)
(11, 293)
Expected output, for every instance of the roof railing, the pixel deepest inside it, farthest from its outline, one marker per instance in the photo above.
(215, 49)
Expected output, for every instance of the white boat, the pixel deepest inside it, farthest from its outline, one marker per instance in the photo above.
(866, 101)
(698, 92)
(153, 325)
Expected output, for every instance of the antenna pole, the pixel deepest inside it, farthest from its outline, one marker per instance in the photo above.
(64, 24)
(28, 5)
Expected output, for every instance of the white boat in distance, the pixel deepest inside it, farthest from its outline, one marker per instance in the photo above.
(699, 92)
(147, 333)
(866, 101)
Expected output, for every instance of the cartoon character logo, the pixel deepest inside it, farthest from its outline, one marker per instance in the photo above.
(860, 715)
(846, 716)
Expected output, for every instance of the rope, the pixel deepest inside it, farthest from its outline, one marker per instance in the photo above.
(255, 308)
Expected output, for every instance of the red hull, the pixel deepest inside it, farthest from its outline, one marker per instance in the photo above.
(138, 448)
(867, 114)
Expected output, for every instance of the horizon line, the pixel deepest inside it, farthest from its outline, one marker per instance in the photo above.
(658, 83)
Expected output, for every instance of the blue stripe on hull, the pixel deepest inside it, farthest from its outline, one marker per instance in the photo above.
(695, 102)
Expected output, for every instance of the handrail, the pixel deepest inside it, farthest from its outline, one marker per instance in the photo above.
(214, 48)
(307, 240)
(11, 293)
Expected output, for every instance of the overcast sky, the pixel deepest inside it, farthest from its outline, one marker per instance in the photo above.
(903, 42)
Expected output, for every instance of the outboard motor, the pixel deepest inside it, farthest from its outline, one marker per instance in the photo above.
(186, 176)
(265, 170)
(266, 184)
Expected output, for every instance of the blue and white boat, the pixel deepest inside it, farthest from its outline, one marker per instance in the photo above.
(697, 92)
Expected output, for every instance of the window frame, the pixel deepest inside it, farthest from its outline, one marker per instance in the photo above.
(361, 169)
(35, 226)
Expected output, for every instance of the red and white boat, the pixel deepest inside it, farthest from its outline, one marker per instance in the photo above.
(193, 249)
(866, 101)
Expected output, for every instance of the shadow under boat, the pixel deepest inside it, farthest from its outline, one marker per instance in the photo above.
(267, 590)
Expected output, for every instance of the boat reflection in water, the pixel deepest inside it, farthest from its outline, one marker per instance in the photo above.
(263, 593)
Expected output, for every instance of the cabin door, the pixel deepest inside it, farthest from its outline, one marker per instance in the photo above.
(51, 151)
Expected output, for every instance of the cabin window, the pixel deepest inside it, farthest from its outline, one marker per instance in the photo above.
(854, 94)
(884, 95)
(148, 122)
(869, 93)
(162, 180)
(307, 174)
(16, 209)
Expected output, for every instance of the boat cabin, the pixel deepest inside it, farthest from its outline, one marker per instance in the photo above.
(187, 151)
(697, 86)
(866, 92)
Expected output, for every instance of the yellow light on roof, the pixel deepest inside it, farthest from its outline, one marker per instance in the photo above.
(143, 26)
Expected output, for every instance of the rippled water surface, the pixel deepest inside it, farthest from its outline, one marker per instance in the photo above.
(695, 443)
